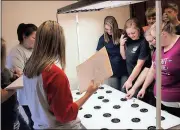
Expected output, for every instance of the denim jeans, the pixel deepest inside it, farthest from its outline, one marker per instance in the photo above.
(116, 82)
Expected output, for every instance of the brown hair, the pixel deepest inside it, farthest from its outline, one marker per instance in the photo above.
(134, 22)
(3, 54)
(49, 47)
(166, 26)
(111, 21)
(150, 12)
(172, 6)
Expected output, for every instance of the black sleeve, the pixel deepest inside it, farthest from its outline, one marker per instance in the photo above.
(144, 50)
(5, 78)
(178, 30)
(100, 43)
(148, 62)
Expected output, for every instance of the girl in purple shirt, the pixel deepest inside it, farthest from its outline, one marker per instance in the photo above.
(170, 62)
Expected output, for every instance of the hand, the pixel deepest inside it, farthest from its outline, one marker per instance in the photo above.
(127, 85)
(93, 87)
(165, 17)
(10, 90)
(15, 76)
(16, 72)
(130, 93)
(123, 40)
(141, 93)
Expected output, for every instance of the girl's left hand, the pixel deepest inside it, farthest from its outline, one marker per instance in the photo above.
(127, 85)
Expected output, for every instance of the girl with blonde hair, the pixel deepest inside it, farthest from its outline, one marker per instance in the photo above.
(110, 40)
(135, 49)
(47, 86)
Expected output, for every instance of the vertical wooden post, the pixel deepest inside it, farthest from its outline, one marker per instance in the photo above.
(158, 63)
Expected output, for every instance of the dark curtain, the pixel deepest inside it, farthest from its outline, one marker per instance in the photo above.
(138, 10)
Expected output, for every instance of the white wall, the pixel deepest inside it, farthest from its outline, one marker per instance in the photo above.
(68, 22)
(36, 12)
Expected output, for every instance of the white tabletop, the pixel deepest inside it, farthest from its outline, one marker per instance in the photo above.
(123, 115)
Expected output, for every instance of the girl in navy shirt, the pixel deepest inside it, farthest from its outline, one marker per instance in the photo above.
(110, 39)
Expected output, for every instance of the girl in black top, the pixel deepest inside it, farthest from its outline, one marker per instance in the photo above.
(141, 78)
(135, 49)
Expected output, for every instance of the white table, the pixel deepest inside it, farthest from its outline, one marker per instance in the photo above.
(123, 115)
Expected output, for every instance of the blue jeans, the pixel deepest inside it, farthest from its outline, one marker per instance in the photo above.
(116, 82)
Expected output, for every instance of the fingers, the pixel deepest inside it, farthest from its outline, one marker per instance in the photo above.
(10, 90)
(15, 76)
(124, 85)
(127, 89)
(122, 36)
(128, 96)
(101, 82)
(92, 82)
(96, 83)
(142, 95)
(139, 95)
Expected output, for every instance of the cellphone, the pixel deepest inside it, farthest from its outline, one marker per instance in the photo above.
(125, 34)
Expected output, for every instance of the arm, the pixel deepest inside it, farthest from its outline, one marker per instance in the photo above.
(143, 55)
(136, 70)
(82, 100)
(141, 78)
(138, 83)
(134, 74)
(122, 46)
(59, 97)
(148, 81)
(91, 89)
(100, 43)
(56, 86)
(5, 95)
(149, 78)
(122, 51)
(15, 61)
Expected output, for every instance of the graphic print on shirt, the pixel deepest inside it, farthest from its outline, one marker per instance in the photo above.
(134, 49)
(164, 65)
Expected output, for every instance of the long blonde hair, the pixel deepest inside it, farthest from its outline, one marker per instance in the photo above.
(49, 47)
(3, 54)
(111, 21)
